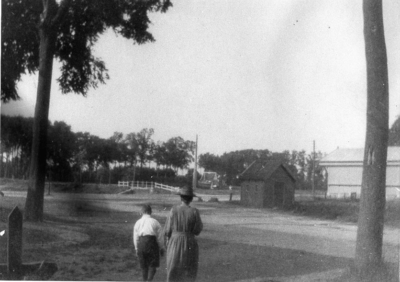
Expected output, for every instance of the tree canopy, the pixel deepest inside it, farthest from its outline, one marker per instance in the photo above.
(77, 25)
(81, 156)
(231, 164)
(36, 32)
(394, 133)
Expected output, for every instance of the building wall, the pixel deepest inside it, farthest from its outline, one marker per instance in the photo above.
(268, 197)
(261, 194)
(343, 181)
(252, 193)
(280, 175)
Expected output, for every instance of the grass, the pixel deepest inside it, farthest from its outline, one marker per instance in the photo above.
(328, 209)
(83, 264)
(386, 273)
(344, 210)
(92, 259)
(332, 209)
(93, 188)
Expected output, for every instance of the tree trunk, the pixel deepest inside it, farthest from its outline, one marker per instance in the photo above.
(6, 166)
(372, 204)
(36, 185)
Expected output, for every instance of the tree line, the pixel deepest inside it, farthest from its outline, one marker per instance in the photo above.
(84, 157)
(230, 165)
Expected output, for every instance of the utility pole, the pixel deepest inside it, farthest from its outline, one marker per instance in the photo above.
(313, 170)
(195, 167)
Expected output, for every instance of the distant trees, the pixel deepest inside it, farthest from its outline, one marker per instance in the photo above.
(60, 150)
(83, 157)
(145, 145)
(179, 153)
(16, 141)
(394, 133)
(231, 164)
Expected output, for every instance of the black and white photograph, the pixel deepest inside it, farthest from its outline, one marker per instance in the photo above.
(200, 140)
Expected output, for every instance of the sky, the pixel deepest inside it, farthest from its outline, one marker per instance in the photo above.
(240, 74)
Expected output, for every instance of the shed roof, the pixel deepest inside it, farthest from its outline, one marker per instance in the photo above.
(356, 155)
(262, 170)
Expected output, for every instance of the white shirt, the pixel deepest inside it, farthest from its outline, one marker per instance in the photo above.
(148, 226)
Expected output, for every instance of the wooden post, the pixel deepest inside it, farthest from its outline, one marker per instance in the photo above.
(14, 243)
(16, 270)
(195, 167)
(230, 197)
(313, 171)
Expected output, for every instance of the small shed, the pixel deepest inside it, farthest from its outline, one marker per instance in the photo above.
(267, 184)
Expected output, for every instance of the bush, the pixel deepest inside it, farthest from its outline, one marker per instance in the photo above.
(328, 209)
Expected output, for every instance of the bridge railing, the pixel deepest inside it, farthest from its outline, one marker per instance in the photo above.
(172, 189)
(147, 185)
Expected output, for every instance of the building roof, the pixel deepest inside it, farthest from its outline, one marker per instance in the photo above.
(356, 156)
(262, 170)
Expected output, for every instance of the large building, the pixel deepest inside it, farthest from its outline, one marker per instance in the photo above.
(267, 184)
(344, 168)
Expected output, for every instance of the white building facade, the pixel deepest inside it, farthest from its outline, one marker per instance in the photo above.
(344, 168)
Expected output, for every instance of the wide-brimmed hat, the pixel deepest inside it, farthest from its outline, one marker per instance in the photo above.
(186, 191)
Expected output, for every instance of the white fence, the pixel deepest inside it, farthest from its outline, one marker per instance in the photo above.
(166, 187)
(146, 185)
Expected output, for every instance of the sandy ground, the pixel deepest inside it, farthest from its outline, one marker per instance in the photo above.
(237, 244)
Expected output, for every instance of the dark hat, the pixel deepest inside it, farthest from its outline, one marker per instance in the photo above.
(186, 191)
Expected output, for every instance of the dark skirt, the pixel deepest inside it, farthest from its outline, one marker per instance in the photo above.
(148, 252)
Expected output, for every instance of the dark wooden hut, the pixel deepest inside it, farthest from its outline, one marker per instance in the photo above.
(267, 184)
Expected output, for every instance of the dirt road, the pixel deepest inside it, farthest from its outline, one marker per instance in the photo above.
(241, 243)
(236, 240)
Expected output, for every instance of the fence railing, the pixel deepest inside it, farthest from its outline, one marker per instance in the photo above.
(147, 185)
(166, 187)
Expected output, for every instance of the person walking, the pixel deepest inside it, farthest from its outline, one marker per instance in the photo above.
(148, 242)
(182, 225)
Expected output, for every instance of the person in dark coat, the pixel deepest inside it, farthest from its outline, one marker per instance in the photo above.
(182, 225)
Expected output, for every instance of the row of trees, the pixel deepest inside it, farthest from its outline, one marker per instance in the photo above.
(85, 157)
(301, 164)
(231, 164)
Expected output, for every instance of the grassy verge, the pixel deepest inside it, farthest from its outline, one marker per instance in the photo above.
(344, 210)
(386, 273)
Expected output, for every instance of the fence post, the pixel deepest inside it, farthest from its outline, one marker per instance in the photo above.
(14, 242)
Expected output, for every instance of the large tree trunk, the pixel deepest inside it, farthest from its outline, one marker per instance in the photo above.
(372, 204)
(36, 185)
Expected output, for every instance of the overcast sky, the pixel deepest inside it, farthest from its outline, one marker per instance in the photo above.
(241, 74)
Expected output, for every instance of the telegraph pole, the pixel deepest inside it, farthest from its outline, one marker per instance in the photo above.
(195, 167)
(313, 170)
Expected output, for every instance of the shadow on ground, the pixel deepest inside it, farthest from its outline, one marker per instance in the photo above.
(223, 261)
